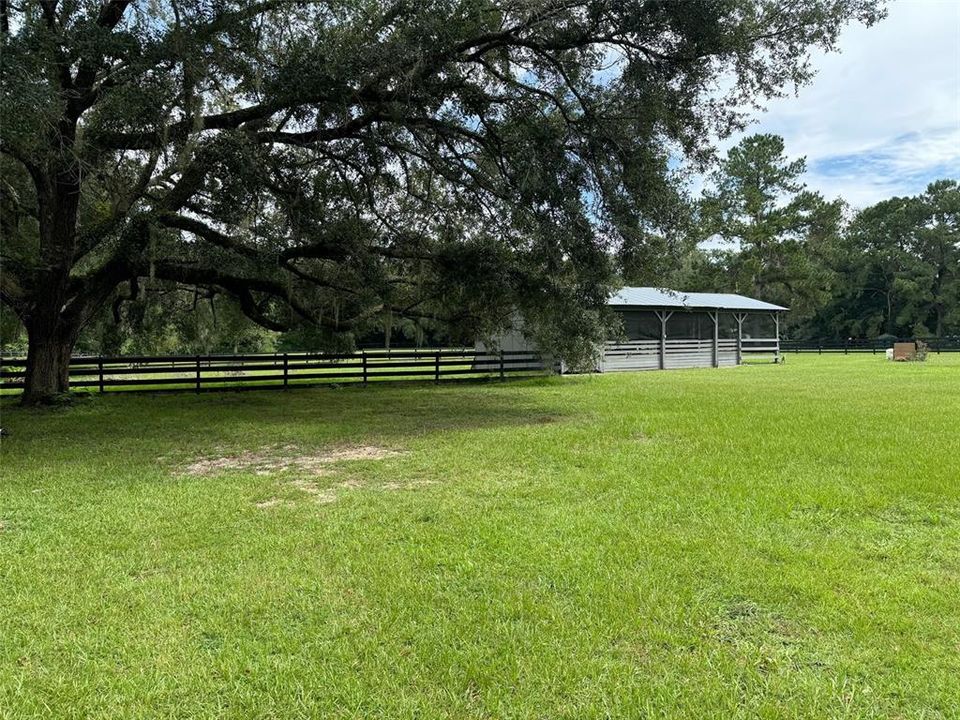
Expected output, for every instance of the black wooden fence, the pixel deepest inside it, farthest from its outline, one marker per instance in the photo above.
(208, 372)
(867, 345)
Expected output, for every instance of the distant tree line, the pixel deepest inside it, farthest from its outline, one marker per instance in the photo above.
(889, 269)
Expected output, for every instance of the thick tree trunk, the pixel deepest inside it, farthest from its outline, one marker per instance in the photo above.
(48, 365)
(51, 328)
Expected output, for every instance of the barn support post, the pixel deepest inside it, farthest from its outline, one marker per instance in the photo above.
(776, 323)
(663, 340)
(715, 316)
(664, 316)
(739, 317)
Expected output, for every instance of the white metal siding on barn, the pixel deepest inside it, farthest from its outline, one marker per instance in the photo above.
(512, 342)
(636, 355)
(672, 330)
(645, 355)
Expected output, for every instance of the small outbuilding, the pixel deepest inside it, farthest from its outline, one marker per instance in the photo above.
(667, 329)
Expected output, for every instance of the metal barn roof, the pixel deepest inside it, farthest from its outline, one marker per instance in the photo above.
(666, 298)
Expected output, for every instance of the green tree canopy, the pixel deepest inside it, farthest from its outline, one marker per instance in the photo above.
(776, 227)
(900, 268)
(332, 163)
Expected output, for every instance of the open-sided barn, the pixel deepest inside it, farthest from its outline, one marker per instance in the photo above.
(665, 329)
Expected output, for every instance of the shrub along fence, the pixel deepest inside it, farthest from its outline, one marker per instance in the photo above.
(213, 372)
(874, 345)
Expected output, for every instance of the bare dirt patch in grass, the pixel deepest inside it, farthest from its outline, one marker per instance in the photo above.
(321, 495)
(326, 495)
(300, 470)
(269, 503)
(406, 485)
(284, 459)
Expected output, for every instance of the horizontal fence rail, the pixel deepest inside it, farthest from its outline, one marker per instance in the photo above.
(281, 370)
(875, 346)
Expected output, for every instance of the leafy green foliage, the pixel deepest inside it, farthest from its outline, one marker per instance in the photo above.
(893, 268)
(329, 163)
(776, 226)
(900, 264)
(167, 320)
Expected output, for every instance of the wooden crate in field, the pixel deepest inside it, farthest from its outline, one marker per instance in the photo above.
(903, 351)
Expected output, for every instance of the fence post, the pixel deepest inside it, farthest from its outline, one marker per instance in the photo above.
(819, 348)
(198, 373)
(285, 371)
(437, 366)
(363, 354)
(501, 365)
(100, 369)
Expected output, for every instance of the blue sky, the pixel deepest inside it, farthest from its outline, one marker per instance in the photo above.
(882, 117)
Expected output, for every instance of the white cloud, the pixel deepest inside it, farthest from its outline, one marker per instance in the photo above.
(882, 117)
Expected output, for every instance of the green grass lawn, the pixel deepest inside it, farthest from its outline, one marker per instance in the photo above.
(760, 541)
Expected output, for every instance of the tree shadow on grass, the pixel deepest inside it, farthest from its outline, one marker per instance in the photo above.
(315, 416)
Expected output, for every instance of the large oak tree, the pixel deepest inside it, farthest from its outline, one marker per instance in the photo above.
(333, 162)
